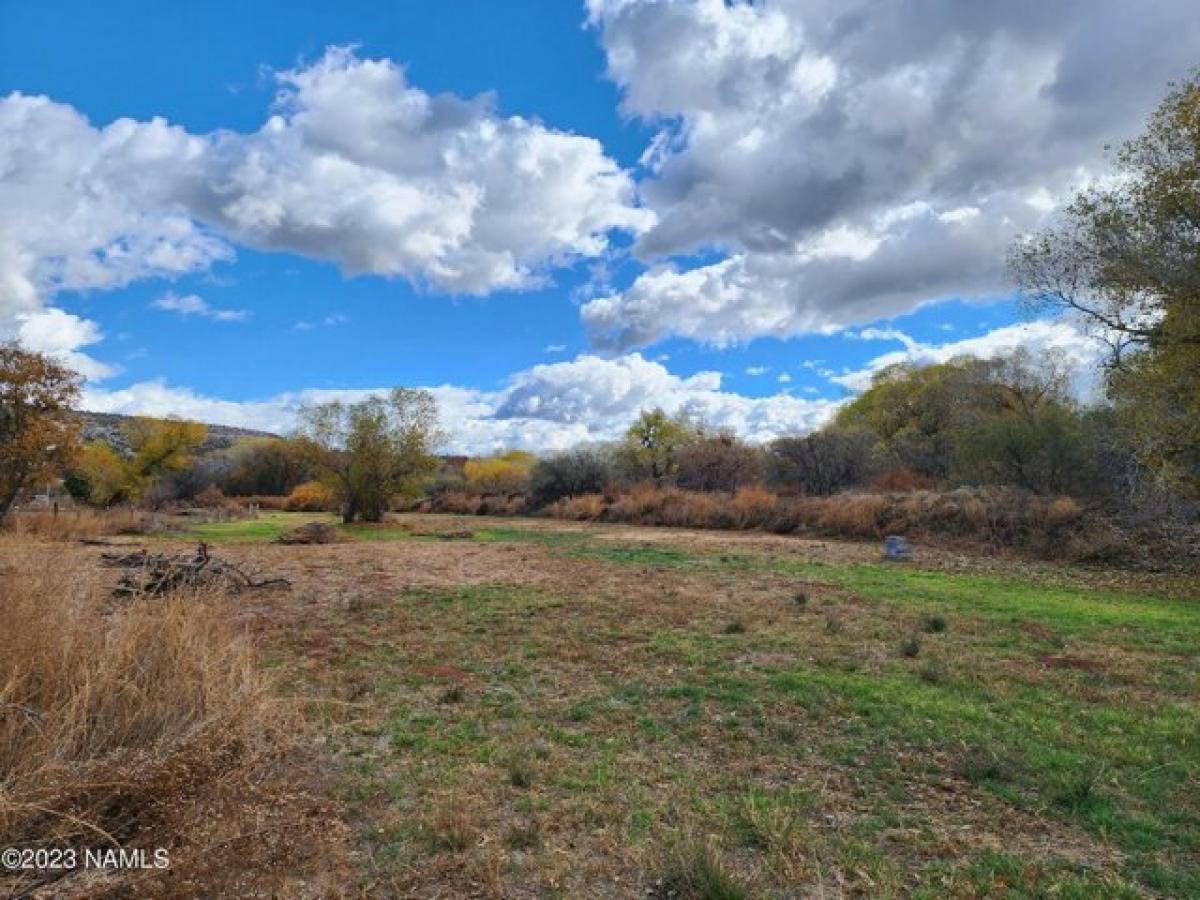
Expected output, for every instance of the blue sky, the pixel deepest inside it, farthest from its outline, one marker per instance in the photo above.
(722, 225)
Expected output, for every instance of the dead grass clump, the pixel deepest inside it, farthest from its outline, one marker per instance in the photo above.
(502, 505)
(853, 515)
(109, 718)
(640, 505)
(753, 506)
(584, 508)
(67, 525)
(692, 509)
(451, 828)
(459, 503)
(1062, 511)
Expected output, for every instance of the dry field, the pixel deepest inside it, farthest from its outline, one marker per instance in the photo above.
(472, 707)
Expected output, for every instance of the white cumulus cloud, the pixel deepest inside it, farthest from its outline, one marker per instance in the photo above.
(544, 408)
(353, 165)
(849, 160)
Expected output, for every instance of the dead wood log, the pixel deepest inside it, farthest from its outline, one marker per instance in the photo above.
(155, 574)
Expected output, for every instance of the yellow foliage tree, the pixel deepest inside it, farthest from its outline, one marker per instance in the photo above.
(507, 473)
(157, 447)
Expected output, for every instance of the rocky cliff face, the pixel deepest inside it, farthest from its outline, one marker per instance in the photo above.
(110, 428)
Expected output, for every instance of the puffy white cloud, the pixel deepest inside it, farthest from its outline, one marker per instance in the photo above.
(1080, 351)
(854, 159)
(195, 305)
(354, 165)
(82, 208)
(61, 335)
(544, 408)
(360, 167)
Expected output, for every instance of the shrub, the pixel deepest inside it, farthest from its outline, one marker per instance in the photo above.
(507, 473)
(752, 507)
(585, 508)
(688, 509)
(1062, 511)
(933, 624)
(821, 463)
(271, 466)
(501, 506)
(641, 504)
(211, 498)
(312, 496)
(458, 503)
(717, 463)
(901, 481)
(115, 717)
(568, 475)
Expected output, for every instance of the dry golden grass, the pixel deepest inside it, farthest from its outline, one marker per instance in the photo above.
(584, 508)
(640, 504)
(753, 506)
(67, 525)
(108, 715)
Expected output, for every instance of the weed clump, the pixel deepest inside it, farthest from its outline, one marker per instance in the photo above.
(452, 694)
(737, 626)
(910, 647)
(697, 872)
(520, 771)
(800, 599)
(522, 836)
(450, 829)
(932, 673)
(1078, 792)
(981, 765)
(933, 624)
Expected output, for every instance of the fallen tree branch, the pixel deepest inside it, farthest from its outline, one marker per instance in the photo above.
(155, 574)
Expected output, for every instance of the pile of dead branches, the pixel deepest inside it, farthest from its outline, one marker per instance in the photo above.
(155, 574)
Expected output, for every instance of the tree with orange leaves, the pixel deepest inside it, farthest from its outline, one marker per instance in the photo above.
(39, 433)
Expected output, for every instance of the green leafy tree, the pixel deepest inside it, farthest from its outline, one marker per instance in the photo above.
(1008, 420)
(1125, 259)
(39, 433)
(372, 450)
(649, 448)
(1017, 424)
(912, 411)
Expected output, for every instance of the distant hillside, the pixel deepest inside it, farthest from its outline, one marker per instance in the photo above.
(110, 428)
